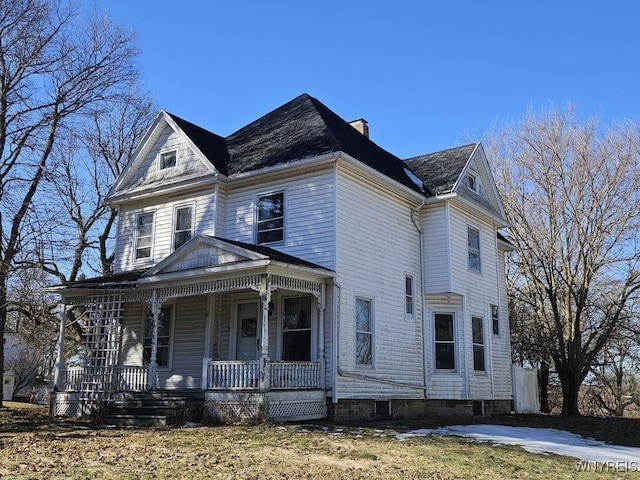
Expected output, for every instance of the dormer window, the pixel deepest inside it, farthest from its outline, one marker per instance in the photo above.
(472, 182)
(168, 160)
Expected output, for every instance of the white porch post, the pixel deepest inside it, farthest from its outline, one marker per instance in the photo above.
(321, 310)
(265, 299)
(59, 366)
(152, 369)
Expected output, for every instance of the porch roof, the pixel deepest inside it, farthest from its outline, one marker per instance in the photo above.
(134, 278)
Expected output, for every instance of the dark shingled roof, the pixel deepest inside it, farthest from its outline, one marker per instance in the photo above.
(301, 128)
(107, 281)
(440, 170)
(273, 254)
(211, 145)
(131, 277)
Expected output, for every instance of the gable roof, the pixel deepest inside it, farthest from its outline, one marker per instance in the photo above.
(440, 170)
(213, 146)
(302, 128)
(240, 250)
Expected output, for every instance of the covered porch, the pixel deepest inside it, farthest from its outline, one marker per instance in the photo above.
(251, 337)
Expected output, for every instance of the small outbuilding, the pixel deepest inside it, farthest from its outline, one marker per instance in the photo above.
(8, 385)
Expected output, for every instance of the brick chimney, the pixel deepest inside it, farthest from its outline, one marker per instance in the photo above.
(361, 125)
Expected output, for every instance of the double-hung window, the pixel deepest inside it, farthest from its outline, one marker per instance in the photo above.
(183, 225)
(270, 218)
(445, 344)
(296, 329)
(364, 332)
(477, 333)
(164, 337)
(144, 235)
(473, 243)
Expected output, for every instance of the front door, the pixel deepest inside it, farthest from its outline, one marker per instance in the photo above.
(248, 337)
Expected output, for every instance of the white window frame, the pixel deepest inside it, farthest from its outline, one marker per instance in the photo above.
(370, 333)
(257, 216)
(165, 153)
(476, 344)
(474, 251)
(453, 342)
(409, 297)
(280, 326)
(136, 236)
(472, 182)
(172, 328)
(494, 310)
(174, 230)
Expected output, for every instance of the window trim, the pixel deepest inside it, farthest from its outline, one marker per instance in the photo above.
(164, 153)
(257, 216)
(494, 310)
(409, 297)
(172, 335)
(456, 362)
(190, 205)
(472, 178)
(475, 344)
(471, 250)
(136, 236)
(280, 325)
(371, 332)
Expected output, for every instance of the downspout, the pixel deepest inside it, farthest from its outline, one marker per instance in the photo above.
(422, 296)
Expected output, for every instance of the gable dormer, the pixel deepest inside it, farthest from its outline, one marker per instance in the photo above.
(172, 153)
(461, 172)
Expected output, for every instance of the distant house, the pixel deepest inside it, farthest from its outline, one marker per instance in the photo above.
(297, 270)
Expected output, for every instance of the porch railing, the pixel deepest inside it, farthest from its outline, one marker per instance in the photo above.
(245, 375)
(294, 375)
(131, 378)
(233, 375)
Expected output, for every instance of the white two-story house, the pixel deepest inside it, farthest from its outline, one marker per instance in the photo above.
(297, 270)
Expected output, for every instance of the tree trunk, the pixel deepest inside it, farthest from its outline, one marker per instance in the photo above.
(543, 387)
(3, 323)
(570, 390)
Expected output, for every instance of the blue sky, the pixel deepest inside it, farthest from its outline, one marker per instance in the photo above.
(427, 75)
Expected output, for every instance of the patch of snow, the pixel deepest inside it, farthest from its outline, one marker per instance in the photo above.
(537, 440)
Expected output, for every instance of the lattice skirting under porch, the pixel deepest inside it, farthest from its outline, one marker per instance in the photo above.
(278, 406)
(64, 407)
(290, 411)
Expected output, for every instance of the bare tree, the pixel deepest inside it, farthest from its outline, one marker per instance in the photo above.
(571, 190)
(54, 67)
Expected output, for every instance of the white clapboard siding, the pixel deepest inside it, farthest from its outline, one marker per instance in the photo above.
(501, 346)
(163, 208)
(131, 327)
(444, 385)
(190, 316)
(377, 245)
(437, 270)
(309, 215)
(479, 289)
(147, 172)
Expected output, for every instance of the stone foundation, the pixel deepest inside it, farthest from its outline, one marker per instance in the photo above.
(370, 410)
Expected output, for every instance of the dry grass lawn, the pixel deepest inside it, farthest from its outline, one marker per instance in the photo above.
(33, 446)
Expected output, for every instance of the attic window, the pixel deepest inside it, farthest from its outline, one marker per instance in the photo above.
(472, 182)
(168, 160)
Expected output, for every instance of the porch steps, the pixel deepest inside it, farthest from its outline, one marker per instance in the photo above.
(155, 409)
